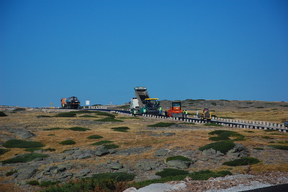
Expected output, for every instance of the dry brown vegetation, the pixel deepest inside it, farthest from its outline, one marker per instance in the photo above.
(191, 137)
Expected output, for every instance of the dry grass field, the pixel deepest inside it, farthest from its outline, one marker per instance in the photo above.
(187, 136)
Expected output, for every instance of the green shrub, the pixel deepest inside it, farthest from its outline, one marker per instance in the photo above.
(3, 151)
(11, 172)
(109, 119)
(50, 183)
(66, 114)
(16, 143)
(222, 146)
(181, 158)
(121, 129)
(94, 137)
(49, 149)
(52, 129)
(111, 146)
(32, 149)
(200, 175)
(242, 161)
(102, 142)
(258, 148)
(78, 129)
(171, 172)
(225, 134)
(161, 124)
(267, 137)
(68, 142)
(2, 114)
(105, 114)
(119, 176)
(25, 158)
(19, 109)
(39, 116)
(103, 185)
(88, 116)
(283, 147)
(33, 182)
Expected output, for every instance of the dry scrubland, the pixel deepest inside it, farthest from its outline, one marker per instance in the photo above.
(190, 137)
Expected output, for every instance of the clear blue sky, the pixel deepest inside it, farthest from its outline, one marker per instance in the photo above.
(99, 50)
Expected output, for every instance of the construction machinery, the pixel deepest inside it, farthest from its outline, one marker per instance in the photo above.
(175, 110)
(70, 103)
(143, 104)
(206, 115)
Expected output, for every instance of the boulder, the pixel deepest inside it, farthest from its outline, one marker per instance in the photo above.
(26, 172)
(23, 134)
(179, 164)
(161, 152)
(239, 151)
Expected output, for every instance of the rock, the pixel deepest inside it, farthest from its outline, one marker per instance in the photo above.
(82, 173)
(168, 134)
(211, 153)
(239, 151)
(131, 189)
(147, 165)
(161, 152)
(23, 134)
(179, 164)
(26, 172)
(116, 166)
(101, 152)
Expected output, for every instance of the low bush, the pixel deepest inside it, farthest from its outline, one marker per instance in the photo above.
(181, 158)
(16, 143)
(39, 116)
(109, 119)
(32, 149)
(68, 142)
(161, 124)
(88, 116)
(121, 129)
(94, 137)
(222, 146)
(283, 147)
(267, 137)
(118, 176)
(103, 185)
(25, 158)
(50, 183)
(111, 146)
(242, 161)
(171, 172)
(52, 129)
(105, 114)
(258, 148)
(2, 114)
(33, 182)
(49, 149)
(11, 172)
(200, 175)
(78, 129)
(102, 142)
(66, 114)
(19, 109)
(3, 151)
